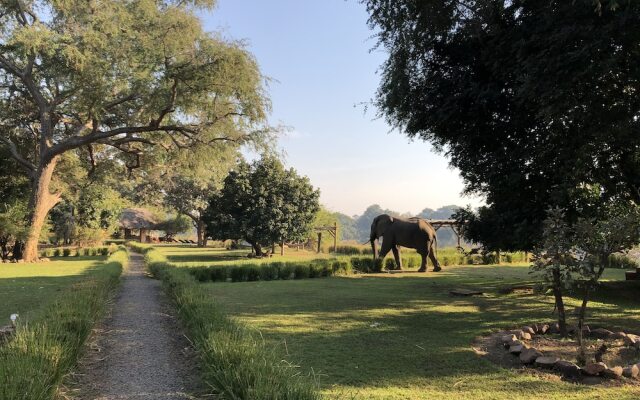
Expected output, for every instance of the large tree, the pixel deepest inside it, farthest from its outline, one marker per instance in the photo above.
(116, 76)
(263, 203)
(536, 102)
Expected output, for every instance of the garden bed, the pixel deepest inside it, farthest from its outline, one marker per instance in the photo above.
(614, 357)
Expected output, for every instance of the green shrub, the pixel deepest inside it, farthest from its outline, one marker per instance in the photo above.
(66, 252)
(340, 267)
(390, 264)
(301, 271)
(348, 250)
(218, 274)
(235, 362)
(269, 272)
(287, 271)
(253, 272)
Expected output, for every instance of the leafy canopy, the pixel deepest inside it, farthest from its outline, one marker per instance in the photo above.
(536, 102)
(263, 203)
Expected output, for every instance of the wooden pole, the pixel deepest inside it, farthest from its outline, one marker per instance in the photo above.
(319, 240)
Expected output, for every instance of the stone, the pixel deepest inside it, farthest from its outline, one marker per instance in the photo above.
(567, 369)
(517, 349)
(554, 328)
(508, 338)
(631, 339)
(513, 343)
(619, 336)
(529, 330)
(543, 329)
(525, 336)
(529, 356)
(546, 362)
(594, 369)
(601, 333)
(631, 371)
(613, 373)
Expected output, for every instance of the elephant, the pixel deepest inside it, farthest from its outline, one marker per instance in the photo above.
(414, 233)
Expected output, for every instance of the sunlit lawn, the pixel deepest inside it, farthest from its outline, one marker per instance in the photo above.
(28, 288)
(404, 337)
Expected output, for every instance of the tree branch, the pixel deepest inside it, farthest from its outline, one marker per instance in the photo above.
(13, 149)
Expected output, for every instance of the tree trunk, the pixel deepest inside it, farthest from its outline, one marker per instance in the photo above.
(200, 229)
(256, 247)
(40, 203)
(582, 351)
(557, 293)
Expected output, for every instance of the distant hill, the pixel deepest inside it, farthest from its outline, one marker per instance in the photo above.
(357, 227)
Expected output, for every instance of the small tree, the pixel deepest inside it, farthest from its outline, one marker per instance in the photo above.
(556, 260)
(262, 203)
(616, 231)
(174, 226)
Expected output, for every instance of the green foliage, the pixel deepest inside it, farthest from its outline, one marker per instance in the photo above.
(496, 84)
(235, 362)
(12, 227)
(320, 268)
(263, 203)
(44, 351)
(174, 226)
(108, 94)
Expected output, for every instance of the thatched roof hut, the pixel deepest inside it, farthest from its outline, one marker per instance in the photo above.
(138, 219)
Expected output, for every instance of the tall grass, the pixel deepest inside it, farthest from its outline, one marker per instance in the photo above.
(34, 362)
(236, 362)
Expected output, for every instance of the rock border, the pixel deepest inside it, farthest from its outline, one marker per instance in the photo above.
(514, 342)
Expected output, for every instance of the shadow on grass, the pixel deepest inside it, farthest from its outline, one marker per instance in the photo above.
(28, 295)
(375, 331)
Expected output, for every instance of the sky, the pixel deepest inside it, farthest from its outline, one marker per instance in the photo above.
(319, 57)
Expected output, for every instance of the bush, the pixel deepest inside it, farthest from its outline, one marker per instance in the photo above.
(349, 250)
(301, 271)
(287, 271)
(341, 268)
(235, 362)
(66, 252)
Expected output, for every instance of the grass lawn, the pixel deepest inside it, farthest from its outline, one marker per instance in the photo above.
(404, 337)
(29, 288)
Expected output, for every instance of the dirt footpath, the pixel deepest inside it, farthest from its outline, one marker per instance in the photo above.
(139, 352)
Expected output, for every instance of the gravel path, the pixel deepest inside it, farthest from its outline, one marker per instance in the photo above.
(141, 352)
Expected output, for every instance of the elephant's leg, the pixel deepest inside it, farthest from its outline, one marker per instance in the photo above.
(385, 248)
(396, 255)
(434, 260)
(423, 263)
